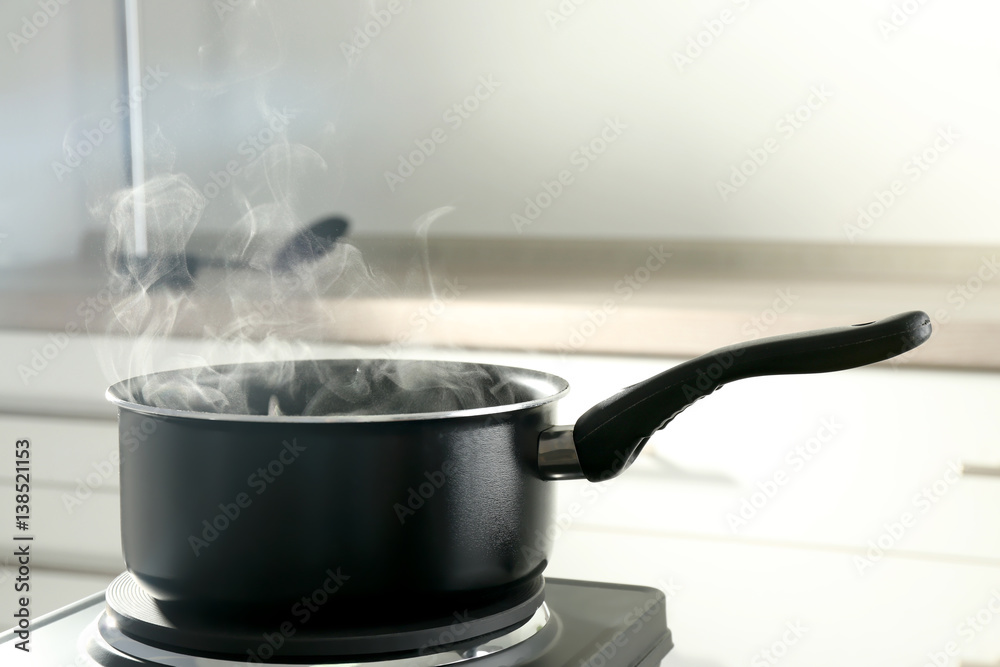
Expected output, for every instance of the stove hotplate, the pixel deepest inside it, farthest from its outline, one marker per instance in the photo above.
(580, 623)
(131, 613)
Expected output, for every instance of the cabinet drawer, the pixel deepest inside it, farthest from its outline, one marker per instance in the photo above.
(84, 536)
(837, 460)
(67, 453)
(729, 601)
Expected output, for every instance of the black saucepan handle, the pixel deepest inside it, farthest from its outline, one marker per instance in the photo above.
(609, 436)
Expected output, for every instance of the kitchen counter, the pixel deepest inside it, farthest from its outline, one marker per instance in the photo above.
(639, 298)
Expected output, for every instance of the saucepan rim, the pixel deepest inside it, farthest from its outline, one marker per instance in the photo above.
(557, 387)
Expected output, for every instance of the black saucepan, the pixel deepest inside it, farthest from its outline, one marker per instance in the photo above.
(415, 487)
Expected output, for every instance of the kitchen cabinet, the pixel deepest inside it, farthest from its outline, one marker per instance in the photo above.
(729, 601)
(74, 492)
(833, 461)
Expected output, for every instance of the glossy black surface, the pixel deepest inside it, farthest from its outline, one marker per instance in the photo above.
(411, 518)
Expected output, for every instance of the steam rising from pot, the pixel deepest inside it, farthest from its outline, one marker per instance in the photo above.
(252, 303)
(331, 387)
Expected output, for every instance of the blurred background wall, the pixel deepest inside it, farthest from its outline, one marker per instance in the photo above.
(774, 120)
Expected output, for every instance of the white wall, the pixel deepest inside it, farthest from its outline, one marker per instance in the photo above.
(687, 127)
(57, 83)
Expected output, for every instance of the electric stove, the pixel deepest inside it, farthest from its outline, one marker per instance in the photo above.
(577, 623)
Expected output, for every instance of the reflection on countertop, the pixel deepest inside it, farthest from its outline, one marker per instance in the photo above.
(642, 297)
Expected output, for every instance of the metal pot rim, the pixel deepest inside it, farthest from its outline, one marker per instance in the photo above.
(556, 388)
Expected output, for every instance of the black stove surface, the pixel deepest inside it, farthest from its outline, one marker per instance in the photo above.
(591, 624)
